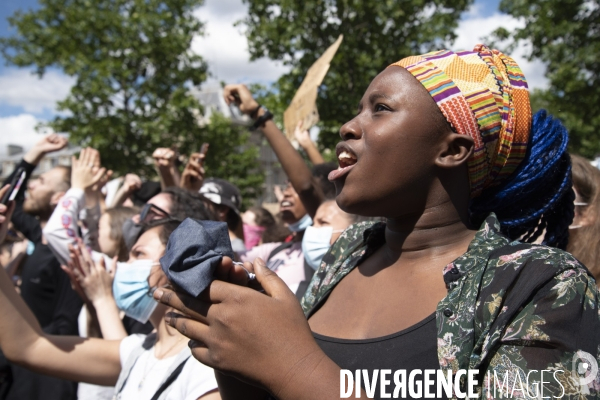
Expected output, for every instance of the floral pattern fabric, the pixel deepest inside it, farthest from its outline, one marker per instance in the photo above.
(520, 314)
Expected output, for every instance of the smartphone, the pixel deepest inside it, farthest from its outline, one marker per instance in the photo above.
(203, 149)
(15, 185)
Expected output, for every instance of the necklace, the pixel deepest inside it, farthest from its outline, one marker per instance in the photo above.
(147, 370)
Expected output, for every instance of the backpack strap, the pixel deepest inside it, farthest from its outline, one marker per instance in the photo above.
(172, 373)
(148, 343)
(279, 248)
(303, 286)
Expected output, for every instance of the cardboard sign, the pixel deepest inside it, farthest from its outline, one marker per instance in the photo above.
(304, 104)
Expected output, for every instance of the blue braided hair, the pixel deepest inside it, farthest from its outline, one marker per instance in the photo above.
(538, 197)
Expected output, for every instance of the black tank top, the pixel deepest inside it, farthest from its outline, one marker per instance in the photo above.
(412, 348)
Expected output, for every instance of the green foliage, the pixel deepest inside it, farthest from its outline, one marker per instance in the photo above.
(133, 71)
(376, 34)
(565, 34)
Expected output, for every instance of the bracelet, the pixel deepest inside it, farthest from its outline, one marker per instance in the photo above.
(254, 112)
(260, 122)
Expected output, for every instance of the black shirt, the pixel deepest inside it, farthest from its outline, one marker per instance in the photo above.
(410, 349)
(47, 291)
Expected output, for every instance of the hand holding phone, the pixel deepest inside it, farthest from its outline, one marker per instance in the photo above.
(193, 174)
(15, 185)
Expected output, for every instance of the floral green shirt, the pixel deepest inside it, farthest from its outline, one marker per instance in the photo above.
(517, 313)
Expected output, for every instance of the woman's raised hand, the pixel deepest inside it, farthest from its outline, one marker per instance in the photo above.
(262, 338)
(240, 96)
(192, 176)
(86, 171)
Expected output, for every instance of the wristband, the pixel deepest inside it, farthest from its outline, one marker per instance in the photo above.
(260, 122)
(254, 112)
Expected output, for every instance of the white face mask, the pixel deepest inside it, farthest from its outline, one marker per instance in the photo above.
(576, 204)
(316, 243)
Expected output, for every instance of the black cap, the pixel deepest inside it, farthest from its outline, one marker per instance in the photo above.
(219, 191)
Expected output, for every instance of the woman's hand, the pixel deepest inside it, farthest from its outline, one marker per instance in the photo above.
(193, 173)
(240, 96)
(93, 278)
(263, 339)
(5, 214)
(86, 171)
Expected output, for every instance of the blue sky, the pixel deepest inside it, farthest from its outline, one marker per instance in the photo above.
(26, 100)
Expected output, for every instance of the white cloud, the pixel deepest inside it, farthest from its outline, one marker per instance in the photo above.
(225, 47)
(19, 130)
(474, 28)
(20, 88)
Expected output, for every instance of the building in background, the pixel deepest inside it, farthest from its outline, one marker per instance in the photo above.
(14, 154)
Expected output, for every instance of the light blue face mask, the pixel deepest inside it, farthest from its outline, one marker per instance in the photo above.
(302, 224)
(315, 243)
(132, 291)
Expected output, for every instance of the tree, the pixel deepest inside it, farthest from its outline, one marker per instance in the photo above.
(565, 34)
(133, 68)
(376, 34)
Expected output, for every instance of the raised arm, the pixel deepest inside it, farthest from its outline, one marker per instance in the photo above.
(62, 227)
(69, 357)
(24, 222)
(131, 183)
(294, 166)
(164, 159)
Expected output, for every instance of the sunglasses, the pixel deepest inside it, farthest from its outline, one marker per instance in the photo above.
(151, 213)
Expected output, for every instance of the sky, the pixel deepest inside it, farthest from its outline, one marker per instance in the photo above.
(26, 100)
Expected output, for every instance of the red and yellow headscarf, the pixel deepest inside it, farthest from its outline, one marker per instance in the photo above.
(482, 93)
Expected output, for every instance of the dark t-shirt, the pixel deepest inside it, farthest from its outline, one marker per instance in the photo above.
(47, 291)
(410, 349)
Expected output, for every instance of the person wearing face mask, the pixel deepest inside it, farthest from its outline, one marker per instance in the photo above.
(256, 220)
(584, 232)
(330, 221)
(63, 228)
(144, 367)
(287, 259)
(172, 203)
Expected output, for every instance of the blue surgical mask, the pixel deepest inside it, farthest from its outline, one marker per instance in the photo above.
(315, 243)
(132, 291)
(302, 224)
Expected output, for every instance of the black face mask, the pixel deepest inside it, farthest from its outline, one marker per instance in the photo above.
(131, 233)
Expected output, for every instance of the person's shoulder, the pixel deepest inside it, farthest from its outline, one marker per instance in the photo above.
(520, 270)
(196, 380)
(528, 255)
(129, 344)
(359, 234)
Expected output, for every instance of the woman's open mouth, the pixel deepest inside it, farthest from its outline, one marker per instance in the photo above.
(347, 160)
(285, 205)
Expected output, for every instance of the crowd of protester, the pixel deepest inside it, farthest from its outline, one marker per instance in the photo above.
(401, 255)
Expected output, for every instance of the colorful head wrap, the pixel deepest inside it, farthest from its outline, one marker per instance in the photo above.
(482, 93)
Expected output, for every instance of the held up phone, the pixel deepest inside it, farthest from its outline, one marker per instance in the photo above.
(15, 185)
(203, 150)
